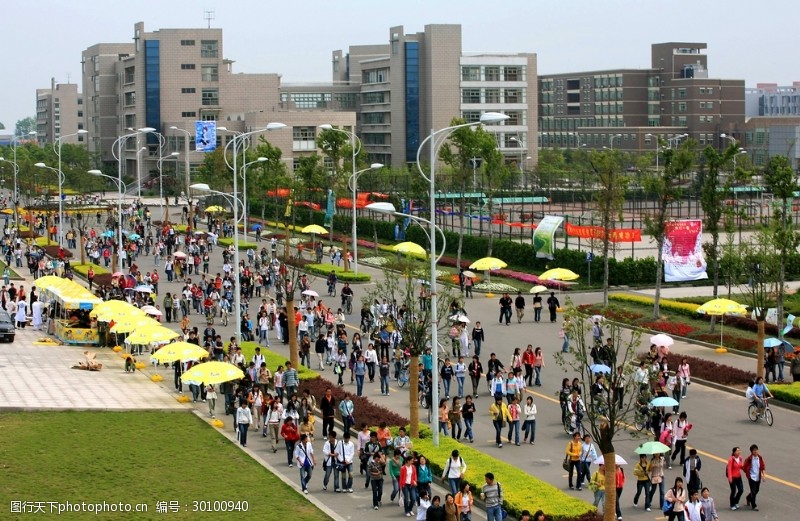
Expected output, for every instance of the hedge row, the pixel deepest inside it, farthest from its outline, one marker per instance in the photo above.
(789, 393)
(274, 359)
(682, 308)
(343, 276)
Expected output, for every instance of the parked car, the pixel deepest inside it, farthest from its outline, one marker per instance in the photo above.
(7, 328)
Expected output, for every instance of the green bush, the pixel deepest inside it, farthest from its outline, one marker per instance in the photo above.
(243, 245)
(83, 269)
(520, 490)
(343, 276)
(274, 359)
(789, 393)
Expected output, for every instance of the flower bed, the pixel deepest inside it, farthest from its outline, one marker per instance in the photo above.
(243, 245)
(614, 313)
(711, 371)
(735, 342)
(683, 308)
(670, 328)
(374, 261)
(497, 287)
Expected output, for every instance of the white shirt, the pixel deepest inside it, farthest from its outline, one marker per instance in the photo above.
(692, 511)
(370, 356)
(303, 451)
(348, 451)
(243, 415)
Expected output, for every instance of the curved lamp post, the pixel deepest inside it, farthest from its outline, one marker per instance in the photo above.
(244, 189)
(60, 176)
(121, 188)
(441, 135)
(164, 218)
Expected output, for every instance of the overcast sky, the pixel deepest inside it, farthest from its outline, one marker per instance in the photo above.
(754, 41)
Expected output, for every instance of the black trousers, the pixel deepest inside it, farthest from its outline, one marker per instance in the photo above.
(754, 488)
(737, 489)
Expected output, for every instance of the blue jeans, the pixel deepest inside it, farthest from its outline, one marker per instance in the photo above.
(498, 430)
(359, 384)
(529, 430)
(329, 469)
(395, 487)
(460, 380)
(494, 513)
(443, 426)
(513, 426)
(446, 382)
(565, 344)
(468, 429)
(346, 476)
(537, 371)
(455, 484)
(305, 476)
(477, 342)
(243, 433)
(409, 498)
(385, 384)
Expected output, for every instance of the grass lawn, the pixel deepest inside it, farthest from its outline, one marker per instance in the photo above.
(136, 457)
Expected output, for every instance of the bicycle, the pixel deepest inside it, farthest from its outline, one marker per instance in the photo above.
(331, 289)
(348, 304)
(573, 424)
(403, 378)
(754, 412)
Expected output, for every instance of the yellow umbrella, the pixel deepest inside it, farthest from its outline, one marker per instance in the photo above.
(215, 209)
(213, 373)
(411, 248)
(130, 323)
(49, 281)
(118, 314)
(488, 263)
(559, 274)
(151, 334)
(315, 229)
(721, 307)
(179, 351)
(7, 211)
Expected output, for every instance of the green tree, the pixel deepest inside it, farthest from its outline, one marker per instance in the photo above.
(764, 269)
(214, 171)
(664, 184)
(610, 199)
(469, 142)
(414, 325)
(780, 180)
(608, 418)
(25, 126)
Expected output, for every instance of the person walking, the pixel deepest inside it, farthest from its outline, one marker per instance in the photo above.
(454, 471)
(477, 338)
(376, 468)
(573, 458)
(450, 508)
(329, 457)
(243, 420)
(655, 469)
(588, 455)
(290, 436)
(346, 409)
(328, 407)
(598, 486)
(499, 413)
(642, 482)
(678, 497)
(552, 306)
(272, 422)
(393, 466)
(460, 370)
(529, 427)
(681, 434)
(468, 414)
(505, 309)
(211, 399)
(620, 484)
(691, 471)
(755, 470)
(537, 308)
(492, 495)
(733, 471)
(538, 364)
(709, 508)
(519, 305)
(515, 415)
(304, 456)
(693, 509)
(408, 485)
(475, 370)
(464, 501)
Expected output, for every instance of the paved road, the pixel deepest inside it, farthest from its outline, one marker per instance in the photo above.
(719, 418)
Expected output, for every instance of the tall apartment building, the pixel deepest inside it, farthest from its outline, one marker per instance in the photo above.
(768, 99)
(626, 108)
(421, 81)
(174, 77)
(59, 112)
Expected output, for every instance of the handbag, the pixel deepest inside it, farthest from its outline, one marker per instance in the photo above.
(667, 507)
(565, 463)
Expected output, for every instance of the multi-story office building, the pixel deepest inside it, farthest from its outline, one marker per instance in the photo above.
(59, 112)
(626, 108)
(422, 81)
(768, 99)
(175, 77)
(764, 137)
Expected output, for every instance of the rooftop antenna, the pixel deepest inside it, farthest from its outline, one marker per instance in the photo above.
(208, 15)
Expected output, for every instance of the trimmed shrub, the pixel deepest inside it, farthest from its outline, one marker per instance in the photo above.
(683, 308)
(83, 269)
(343, 276)
(789, 393)
(243, 245)
(274, 359)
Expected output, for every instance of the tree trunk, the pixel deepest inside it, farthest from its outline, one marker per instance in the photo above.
(460, 223)
(413, 396)
(83, 250)
(610, 509)
(605, 264)
(760, 352)
(293, 353)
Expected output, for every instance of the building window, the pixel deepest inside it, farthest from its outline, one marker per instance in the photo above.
(129, 75)
(513, 73)
(210, 96)
(682, 93)
(374, 118)
(130, 120)
(345, 100)
(373, 97)
(130, 98)
(375, 76)
(209, 72)
(682, 106)
(514, 117)
(471, 116)
(190, 114)
(188, 90)
(469, 96)
(303, 138)
(514, 96)
(187, 66)
(374, 139)
(187, 43)
(209, 49)
(492, 96)
(472, 73)
(491, 73)
(80, 113)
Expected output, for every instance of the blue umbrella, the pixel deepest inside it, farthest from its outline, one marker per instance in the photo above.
(664, 401)
(108, 233)
(134, 236)
(599, 368)
(256, 227)
(772, 342)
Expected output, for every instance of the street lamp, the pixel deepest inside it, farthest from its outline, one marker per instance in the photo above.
(658, 147)
(244, 189)
(520, 147)
(15, 197)
(161, 182)
(676, 139)
(611, 140)
(355, 147)
(238, 137)
(442, 134)
(186, 168)
(60, 175)
(388, 208)
(121, 188)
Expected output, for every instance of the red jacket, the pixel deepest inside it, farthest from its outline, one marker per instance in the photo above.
(734, 468)
(290, 433)
(404, 473)
(528, 358)
(748, 462)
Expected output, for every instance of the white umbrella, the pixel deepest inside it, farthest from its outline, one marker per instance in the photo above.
(151, 310)
(179, 255)
(460, 318)
(311, 293)
(599, 368)
(619, 460)
(468, 273)
(538, 289)
(144, 288)
(661, 340)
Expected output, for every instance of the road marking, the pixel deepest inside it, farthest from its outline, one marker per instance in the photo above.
(701, 452)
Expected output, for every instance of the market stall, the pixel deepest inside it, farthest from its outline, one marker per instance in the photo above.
(69, 305)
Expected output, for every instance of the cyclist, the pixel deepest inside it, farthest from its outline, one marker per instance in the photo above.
(761, 394)
(367, 319)
(347, 294)
(332, 279)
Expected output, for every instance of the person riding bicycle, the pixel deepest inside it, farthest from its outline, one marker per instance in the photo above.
(208, 307)
(760, 394)
(347, 293)
(332, 279)
(367, 319)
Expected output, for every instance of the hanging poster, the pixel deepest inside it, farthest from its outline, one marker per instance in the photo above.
(205, 136)
(330, 210)
(544, 236)
(596, 232)
(683, 251)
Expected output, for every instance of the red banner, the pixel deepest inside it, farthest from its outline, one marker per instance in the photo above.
(597, 232)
